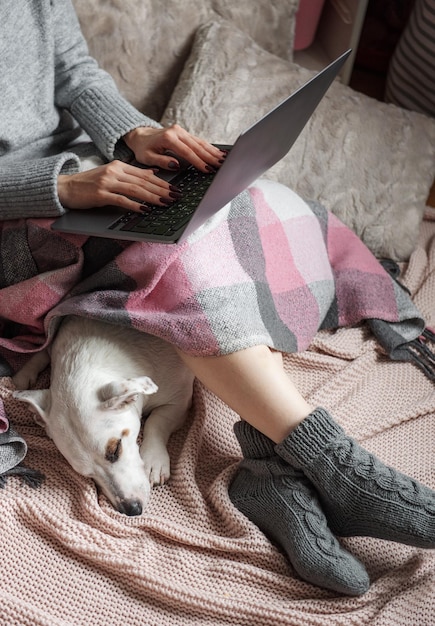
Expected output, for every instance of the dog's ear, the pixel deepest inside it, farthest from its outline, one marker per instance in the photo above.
(118, 393)
(38, 401)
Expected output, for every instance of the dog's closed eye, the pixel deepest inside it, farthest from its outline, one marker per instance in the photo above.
(114, 447)
(113, 450)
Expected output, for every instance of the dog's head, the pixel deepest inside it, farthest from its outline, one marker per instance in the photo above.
(97, 433)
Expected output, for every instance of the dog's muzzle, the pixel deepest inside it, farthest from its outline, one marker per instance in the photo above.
(130, 507)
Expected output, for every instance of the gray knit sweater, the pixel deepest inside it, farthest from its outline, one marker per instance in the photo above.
(51, 91)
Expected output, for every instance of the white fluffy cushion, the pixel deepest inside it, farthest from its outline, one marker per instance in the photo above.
(144, 43)
(370, 163)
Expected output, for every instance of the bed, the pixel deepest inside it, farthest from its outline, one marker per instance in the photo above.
(67, 557)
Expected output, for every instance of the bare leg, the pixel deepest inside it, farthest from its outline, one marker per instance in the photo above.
(278, 499)
(254, 384)
(360, 495)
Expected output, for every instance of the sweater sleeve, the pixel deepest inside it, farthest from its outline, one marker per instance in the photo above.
(29, 189)
(88, 91)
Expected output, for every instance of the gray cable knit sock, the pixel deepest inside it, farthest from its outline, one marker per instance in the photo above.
(13, 449)
(360, 495)
(284, 505)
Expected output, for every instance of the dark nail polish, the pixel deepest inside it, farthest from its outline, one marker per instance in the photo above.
(174, 188)
(209, 168)
(173, 165)
(166, 201)
(175, 194)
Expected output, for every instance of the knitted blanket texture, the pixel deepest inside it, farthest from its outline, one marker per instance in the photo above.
(191, 559)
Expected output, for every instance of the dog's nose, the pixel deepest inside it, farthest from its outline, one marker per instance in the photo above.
(130, 507)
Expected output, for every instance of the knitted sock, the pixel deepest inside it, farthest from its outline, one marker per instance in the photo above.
(13, 449)
(360, 495)
(284, 505)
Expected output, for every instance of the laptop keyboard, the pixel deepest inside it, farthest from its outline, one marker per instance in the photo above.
(166, 220)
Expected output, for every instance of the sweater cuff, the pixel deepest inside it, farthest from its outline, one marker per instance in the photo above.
(254, 445)
(29, 189)
(309, 439)
(107, 117)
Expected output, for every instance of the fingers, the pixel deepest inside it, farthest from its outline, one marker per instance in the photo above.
(131, 187)
(196, 151)
(165, 147)
(143, 186)
(201, 154)
(118, 184)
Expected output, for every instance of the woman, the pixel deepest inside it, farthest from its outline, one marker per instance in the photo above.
(302, 480)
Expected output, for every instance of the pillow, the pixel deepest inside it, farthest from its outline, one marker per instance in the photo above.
(370, 163)
(143, 44)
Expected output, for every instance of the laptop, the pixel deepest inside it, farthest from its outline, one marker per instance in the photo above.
(256, 150)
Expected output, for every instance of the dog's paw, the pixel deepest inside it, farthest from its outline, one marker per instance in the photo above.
(157, 466)
(27, 376)
(24, 379)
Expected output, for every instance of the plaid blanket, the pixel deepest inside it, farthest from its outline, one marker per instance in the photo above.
(269, 269)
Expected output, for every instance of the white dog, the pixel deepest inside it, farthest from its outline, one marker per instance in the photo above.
(103, 379)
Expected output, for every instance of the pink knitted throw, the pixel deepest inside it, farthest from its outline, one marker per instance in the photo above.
(192, 560)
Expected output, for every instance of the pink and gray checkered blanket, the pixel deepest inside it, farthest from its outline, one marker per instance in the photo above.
(269, 269)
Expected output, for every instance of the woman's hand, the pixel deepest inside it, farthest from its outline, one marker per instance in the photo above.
(128, 186)
(115, 183)
(159, 147)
